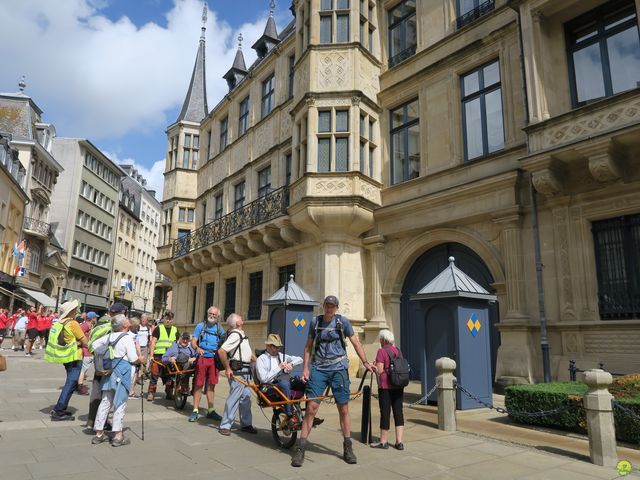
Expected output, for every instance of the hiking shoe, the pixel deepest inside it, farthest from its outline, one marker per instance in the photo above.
(194, 416)
(298, 457)
(348, 455)
(249, 429)
(55, 417)
(317, 421)
(169, 395)
(99, 439)
(150, 396)
(213, 415)
(119, 442)
(399, 446)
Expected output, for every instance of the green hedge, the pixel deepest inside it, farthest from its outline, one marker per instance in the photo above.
(549, 396)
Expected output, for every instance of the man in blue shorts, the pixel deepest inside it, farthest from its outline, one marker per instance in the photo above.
(327, 345)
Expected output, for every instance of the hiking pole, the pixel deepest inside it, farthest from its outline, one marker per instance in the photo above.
(142, 403)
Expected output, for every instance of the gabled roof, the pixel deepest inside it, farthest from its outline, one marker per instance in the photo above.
(195, 108)
(453, 282)
(294, 294)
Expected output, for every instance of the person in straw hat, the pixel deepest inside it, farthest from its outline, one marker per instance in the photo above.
(274, 367)
(65, 338)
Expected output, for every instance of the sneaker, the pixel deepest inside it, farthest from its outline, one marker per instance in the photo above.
(194, 416)
(224, 431)
(298, 457)
(213, 415)
(399, 446)
(348, 455)
(99, 439)
(317, 421)
(150, 396)
(249, 429)
(119, 442)
(27, 354)
(62, 418)
(13, 348)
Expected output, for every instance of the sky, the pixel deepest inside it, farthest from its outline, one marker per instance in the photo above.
(116, 71)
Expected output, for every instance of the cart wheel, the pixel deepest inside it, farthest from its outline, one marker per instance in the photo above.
(181, 392)
(284, 435)
(180, 400)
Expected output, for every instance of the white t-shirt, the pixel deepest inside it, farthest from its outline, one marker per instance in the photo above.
(142, 336)
(244, 352)
(125, 348)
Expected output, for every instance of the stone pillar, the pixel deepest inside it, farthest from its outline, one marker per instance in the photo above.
(446, 394)
(597, 403)
(312, 137)
(375, 245)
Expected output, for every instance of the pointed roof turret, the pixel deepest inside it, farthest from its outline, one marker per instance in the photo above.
(269, 38)
(291, 293)
(195, 108)
(239, 69)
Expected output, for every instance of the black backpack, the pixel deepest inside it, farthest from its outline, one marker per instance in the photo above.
(399, 369)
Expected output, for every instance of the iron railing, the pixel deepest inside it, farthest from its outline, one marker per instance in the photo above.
(574, 370)
(37, 226)
(262, 210)
(402, 56)
(472, 15)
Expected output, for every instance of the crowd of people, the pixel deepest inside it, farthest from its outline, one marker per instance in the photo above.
(123, 349)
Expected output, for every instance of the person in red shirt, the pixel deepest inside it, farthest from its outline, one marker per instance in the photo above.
(3, 325)
(32, 329)
(41, 325)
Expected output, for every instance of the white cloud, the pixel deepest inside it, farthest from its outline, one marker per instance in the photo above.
(153, 176)
(103, 78)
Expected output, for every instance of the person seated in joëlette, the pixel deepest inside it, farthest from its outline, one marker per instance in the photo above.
(181, 352)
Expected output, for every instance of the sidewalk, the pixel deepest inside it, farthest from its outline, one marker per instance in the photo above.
(32, 447)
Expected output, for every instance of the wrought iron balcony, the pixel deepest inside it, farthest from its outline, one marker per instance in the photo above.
(472, 15)
(402, 56)
(259, 211)
(37, 226)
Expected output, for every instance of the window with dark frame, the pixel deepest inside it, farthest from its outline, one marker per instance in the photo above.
(268, 95)
(603, 52)
(204, 212)
(482, 120)
(405, 142)
(287, 169)
(333, 141)
(470, 10)
(402, 32)
(193, 304)
(616, 244)
(219, 207)
(238, 195)
(264, 181)
(229, 296)
(255, 296)
(224, 133)
(208, 296)
(334, 13)
(292, 62)
(285, 272)
(243, 122)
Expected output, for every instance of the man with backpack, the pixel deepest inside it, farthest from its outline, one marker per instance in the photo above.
(207, 338)
(162, 338)
(326, 343)
(64, 339)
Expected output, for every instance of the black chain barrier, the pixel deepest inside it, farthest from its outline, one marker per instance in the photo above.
(626, 410)
(541, 413)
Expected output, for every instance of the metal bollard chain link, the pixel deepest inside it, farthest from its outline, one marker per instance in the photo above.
(424, 398)
(626, 410)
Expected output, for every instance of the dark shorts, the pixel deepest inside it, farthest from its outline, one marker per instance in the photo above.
(43, 334)
(32, 333)
(337, 379)
(206, 371)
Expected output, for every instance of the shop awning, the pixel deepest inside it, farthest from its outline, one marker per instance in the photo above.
(12, 294)
(40, 297)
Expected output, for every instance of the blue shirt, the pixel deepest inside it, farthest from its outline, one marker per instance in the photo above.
(328, 345)
(210, 341)
(176, 349)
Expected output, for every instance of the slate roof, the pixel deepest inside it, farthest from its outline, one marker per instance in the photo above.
(453, 282)
(294, 295)
(195, 108)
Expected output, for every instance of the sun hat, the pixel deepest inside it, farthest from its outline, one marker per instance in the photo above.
(68, 307)
(273, 339)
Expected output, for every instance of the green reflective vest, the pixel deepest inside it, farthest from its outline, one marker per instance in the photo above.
(165, 339)
(56, 353)
(99, 331)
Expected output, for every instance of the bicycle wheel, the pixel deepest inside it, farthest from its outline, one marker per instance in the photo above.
(181, 392)
(283, 434)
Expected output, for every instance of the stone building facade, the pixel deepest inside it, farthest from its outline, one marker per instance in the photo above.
(371, 140)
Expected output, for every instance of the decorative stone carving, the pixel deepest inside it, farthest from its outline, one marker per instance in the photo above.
(570, 341)
(546, 182)
(563, 264)
(606, 160)
(331, 187)
(332, 70)
(355, 100)
(310, 101)
(369, 79)
(623, 343)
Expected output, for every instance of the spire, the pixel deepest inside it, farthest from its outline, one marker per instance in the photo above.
(239, 69)
(269, 38)
(195, 108)
(21, 85)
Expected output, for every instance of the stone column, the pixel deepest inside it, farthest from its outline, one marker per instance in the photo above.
(446, 394)
(597, 403)
(375, 245)
(311, 133)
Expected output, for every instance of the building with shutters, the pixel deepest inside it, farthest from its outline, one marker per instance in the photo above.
(371, 140)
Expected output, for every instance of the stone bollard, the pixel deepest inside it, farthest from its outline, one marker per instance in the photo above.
(446, 394)
(597, 403)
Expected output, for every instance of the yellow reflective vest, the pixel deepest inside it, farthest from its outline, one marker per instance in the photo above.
(165, 340)
(56, 353)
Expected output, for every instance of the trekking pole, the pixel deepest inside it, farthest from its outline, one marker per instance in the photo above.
(142, 403)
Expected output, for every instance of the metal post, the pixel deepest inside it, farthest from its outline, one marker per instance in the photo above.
(284, 321)
(572, 370)
(57, 298)
(544, 340)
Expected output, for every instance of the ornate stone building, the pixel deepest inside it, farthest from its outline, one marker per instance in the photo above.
(371, 140)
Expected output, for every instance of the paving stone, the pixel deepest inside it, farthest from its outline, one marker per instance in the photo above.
(458, 457)
(493, 470)
(537, 460)
(69, 466)
(16, 472)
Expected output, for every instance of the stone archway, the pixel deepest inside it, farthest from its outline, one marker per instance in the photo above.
(48, 286)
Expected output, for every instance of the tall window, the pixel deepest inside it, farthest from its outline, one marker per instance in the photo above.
(209, 138)
(405, 142)
(268, 95)
(402, 32)
(617, 253)
(244, 116)
(333, 140)
(285, 272)
(334, 12)
(190, 215)
(292, 62)
(219, 207)
(35, 259)
(204, 213)
(482, 111)
(264, 181)
(190, 152)
(238, 195)
(208, 296)
(287, 169)
(182, 214)
(193, 304)
(367, 144)
(173, 151)
(229, 296)
(470, 10)
(255, 296)
(603, 50)
(224, 130)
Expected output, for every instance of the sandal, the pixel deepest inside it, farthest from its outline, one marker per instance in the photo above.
(384, 446)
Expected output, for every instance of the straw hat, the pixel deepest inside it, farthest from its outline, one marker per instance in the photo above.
(67, 307)
(273, 339)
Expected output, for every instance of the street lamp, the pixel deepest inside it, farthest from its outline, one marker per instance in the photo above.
(60, 280)
(84, 304)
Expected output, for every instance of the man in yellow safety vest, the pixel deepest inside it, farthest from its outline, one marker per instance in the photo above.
(163, 336)
(65, 337)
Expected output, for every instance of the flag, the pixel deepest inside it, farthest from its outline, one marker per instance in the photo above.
(19, 272)
(130, 286)
(21, 249)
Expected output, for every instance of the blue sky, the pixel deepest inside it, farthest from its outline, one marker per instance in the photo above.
(116, 71)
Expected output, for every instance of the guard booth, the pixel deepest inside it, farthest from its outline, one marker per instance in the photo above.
(290, 314)
(455, 310)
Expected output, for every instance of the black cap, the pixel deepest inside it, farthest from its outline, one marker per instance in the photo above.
(118, 308)
(186, 335)
(331, 299)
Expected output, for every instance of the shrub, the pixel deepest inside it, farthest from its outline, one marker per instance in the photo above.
(549, 396)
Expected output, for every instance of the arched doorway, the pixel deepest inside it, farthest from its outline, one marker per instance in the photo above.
(47, 286)
(425, 269)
